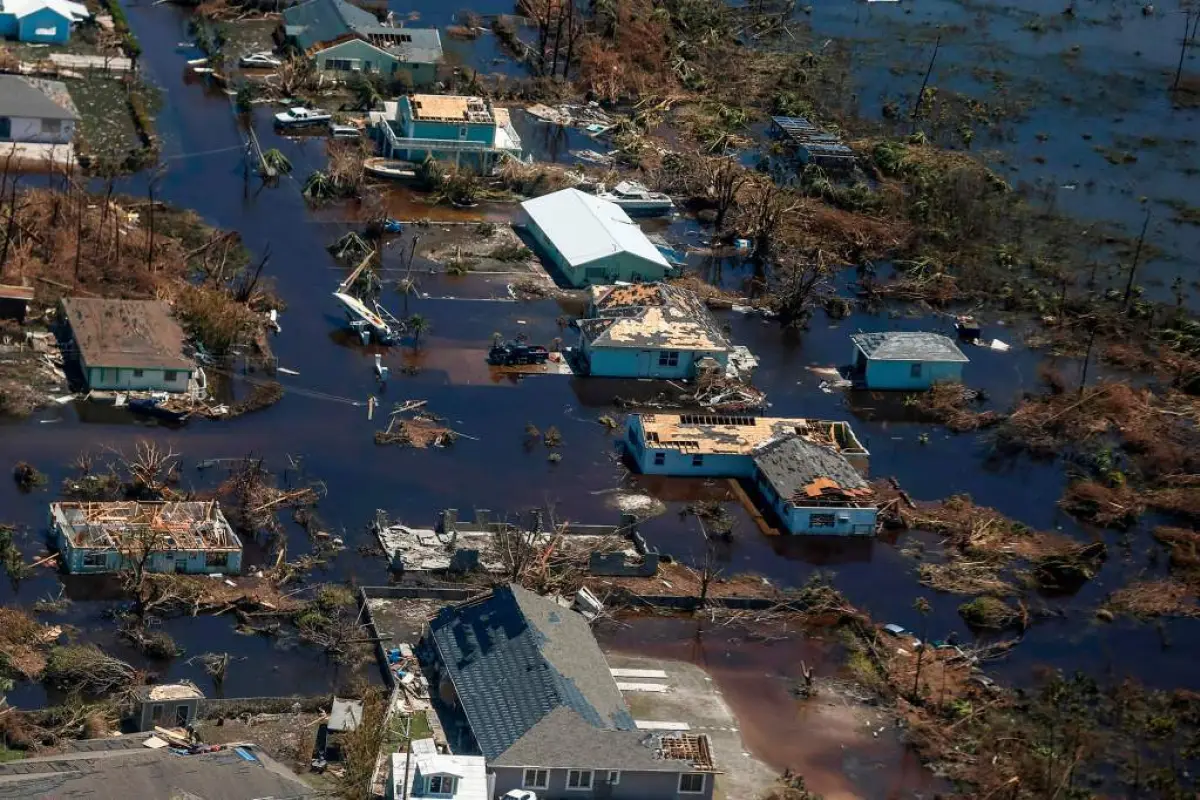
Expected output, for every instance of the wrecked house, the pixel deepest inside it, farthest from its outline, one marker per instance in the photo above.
(590, 240)
(811, 144)
(466, 131)
(191, 538)
(810, 472)
(127, 344)
(653, 330)
(524, 678)
(814, 489)
(167, 705)
(912, 360)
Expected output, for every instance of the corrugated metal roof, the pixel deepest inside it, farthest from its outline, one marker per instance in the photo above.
(585, 228)
(907, 346)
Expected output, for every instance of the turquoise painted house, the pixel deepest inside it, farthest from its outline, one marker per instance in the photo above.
(591, 241)
(40, 21)
(650, 330)
(905, 360)
(190, 538)
(466, 131)
(344, 40)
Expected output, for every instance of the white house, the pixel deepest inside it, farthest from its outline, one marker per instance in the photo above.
(591, 240)
(429, 773)
(649, 331)
(128, 344)
(905, 360)
(27, 114)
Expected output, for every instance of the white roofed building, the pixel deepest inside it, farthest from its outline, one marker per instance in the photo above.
(592, 241)
(429, 773)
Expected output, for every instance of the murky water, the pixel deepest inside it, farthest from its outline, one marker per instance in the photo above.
(324, 419)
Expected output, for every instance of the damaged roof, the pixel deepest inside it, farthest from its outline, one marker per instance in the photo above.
(907, 346)
(522, 665)
(723, 434)
(134, 334)
(585, 228)
(658, 316)
(322, 23)
(804, 473)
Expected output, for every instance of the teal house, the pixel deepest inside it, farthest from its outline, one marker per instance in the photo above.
(40, 21)
(191, 538)
(905, 360)
(467, 131)
(590, 240)
(344, 40)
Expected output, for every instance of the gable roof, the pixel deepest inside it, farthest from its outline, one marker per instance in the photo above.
(66, 9)
(20, 98)
(514, 658)
(321, 24)
(585, 228)
(907, 346)
(656, 315)
(135, 334)
(804, 473)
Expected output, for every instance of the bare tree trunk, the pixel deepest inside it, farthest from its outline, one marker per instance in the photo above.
(573, 31)
(562, 4)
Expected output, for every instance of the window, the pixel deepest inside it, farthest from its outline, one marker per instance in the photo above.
(340, 64)
(820, 520)
(579, 779)
(462, 131)
(669, 358)
(52, 126)
(170, 376)
(216, 559)
(916, 370)
(441, 784)
(5, 127)
(660, 458)
(95, 559)
(697, 461)
(137, 373)
(614, 777)
(406, 38)
(691, 783)
(367, 66)
(535, 779)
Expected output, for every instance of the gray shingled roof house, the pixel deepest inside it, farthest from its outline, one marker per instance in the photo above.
(905, 360)
(544, 710)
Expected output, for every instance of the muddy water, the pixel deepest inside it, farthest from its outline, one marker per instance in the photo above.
(840, 748)
(323, 419)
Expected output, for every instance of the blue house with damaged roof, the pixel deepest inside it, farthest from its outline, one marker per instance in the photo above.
(530, 688)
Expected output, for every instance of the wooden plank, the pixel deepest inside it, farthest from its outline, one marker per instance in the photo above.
(642, 687)
(751, 509)
(637, 673)
(660, 725)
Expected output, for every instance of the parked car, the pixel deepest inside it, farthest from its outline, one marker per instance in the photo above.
(260, 59)
(344, 132)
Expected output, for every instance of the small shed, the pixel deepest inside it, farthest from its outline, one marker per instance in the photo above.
(14, 302)
(128, 344)
(590, 240)
(167, 705)
(906, 360)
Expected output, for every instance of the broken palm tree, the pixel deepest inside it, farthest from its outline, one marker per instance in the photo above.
(410, 425)
(23, 643)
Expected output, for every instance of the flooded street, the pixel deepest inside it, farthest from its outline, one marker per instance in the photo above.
(1054, 151)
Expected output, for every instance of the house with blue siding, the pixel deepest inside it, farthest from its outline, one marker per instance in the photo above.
(905, 360)
(591, 241)
(343, 40)
(649, 330)
(191, 538)
(526, 682)
(40, 21)
(800, 467)
(466, 131)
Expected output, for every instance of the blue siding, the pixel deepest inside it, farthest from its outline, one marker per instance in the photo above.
(44, 18)
(682, 464)
(195, 563)
(799, 519)
(8, 25)
(632, 362)
(900, 374)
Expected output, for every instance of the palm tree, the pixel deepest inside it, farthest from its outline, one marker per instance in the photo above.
(418, 325)
(921, 606)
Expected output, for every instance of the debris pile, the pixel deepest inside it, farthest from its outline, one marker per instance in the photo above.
(1156, 598)
(949, 404)
(420, 429)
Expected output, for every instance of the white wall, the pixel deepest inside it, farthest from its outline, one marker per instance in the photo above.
(25, 129)
(149, 380)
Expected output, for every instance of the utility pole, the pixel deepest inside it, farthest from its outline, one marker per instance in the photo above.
(1183, 46)
(1087, 357)
(928, 70)
(1137, 254)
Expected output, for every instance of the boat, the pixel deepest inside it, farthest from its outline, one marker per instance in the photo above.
(364, 320)
(344, 132)
(635, 198)
(302, 117)
(390, 169)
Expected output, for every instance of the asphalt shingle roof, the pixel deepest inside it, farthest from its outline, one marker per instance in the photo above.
(801, 471)
(20, 98)
(523, 665)
(319, 22)
(907, 346)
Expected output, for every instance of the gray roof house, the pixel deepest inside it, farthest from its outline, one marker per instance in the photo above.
(544, 710)
(29, 114)
(814, 489)
(345, 39)
(905, 360)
